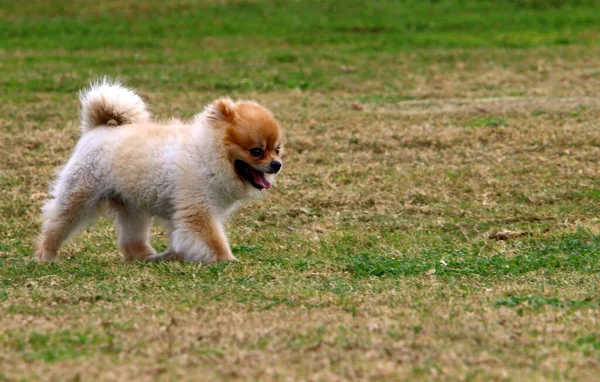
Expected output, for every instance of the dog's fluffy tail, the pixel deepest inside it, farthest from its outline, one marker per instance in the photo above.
(109, 103)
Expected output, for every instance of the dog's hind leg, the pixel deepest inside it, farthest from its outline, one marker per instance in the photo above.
(63, 215)
(134, 234)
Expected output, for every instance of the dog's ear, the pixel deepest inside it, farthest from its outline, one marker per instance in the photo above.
(223, 110)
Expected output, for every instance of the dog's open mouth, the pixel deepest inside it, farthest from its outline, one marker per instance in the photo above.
(255, 177)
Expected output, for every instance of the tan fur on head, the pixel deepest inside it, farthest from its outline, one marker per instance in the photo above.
(193, 176)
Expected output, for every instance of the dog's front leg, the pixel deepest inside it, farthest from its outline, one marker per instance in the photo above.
(199, 237)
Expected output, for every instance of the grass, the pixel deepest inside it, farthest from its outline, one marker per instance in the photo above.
(437, 219)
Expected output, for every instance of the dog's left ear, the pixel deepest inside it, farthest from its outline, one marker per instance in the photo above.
(222, 109)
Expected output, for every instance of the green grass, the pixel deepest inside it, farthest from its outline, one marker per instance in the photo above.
(53, 347)
(437, 218)
(264, 45)
(492, 121)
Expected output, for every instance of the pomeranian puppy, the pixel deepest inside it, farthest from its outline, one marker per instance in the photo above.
(191, 175)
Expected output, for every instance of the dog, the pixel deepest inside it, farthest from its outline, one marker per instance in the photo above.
(190, 175)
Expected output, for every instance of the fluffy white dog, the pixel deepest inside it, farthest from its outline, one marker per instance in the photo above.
(190, 175)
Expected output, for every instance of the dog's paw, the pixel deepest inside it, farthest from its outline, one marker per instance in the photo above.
(136, 251)
(43, 256)
(164, 256)
(225, 259)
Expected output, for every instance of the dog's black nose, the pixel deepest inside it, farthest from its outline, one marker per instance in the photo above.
(275, 166)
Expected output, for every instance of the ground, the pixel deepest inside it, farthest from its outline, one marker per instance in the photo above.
(437, 217)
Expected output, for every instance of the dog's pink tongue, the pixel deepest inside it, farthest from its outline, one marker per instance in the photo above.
(259, 178)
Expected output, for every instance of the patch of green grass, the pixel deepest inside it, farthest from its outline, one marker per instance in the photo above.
(539, 301)
(487, 122)
(57, 346)
(591, 193)
(588, 344)
(378, 22)
(262, 45)
(576, 252)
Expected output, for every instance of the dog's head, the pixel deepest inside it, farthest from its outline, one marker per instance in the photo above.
(252, 140)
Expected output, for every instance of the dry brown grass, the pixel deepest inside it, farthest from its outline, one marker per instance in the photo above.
(405, 332)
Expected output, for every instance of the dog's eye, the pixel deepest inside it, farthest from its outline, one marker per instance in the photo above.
(257, 153)
(277, 150)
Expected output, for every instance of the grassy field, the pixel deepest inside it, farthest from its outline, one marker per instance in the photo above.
(438, 217)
